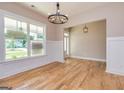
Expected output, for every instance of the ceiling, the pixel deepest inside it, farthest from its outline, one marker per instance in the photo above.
(69, 8)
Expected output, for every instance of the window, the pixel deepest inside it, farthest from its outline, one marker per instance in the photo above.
(15, 39)
(66, 43)
(22, 42)
(36, 40)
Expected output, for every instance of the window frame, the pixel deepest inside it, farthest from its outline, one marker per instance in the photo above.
(28, 21)
(44, 44)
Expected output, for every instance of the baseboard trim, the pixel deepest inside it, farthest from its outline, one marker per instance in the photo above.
(116, 38)
(88, 58)
(115, 73)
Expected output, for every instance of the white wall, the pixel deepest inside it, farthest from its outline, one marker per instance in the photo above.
(114, 15)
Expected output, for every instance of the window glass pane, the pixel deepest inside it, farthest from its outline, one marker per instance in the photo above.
(66, 34)
(65, 42)
(36, 47)
(15, 39)
(67, 45)
(33, 32)
(40, 34)
(10, 24)
(33, 28)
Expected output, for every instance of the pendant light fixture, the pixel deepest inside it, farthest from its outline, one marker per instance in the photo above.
(58, 18)
(85, 29)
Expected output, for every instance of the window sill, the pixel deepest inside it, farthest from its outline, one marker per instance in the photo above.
(20, 59)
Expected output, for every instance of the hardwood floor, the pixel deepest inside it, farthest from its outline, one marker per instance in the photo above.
(73, 74)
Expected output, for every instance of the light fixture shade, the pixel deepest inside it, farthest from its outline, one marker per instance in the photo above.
(57, 18)
(85, 29)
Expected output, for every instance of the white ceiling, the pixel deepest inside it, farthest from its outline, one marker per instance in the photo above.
(69, 8)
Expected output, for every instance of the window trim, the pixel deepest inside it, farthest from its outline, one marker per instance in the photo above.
(29, 21)
(23, 58)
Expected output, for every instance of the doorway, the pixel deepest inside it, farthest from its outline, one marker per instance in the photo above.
(89, 45)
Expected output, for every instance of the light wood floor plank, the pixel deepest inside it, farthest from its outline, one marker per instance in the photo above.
(73, 74)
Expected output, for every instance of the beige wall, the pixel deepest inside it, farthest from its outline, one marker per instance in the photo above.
(89, 45)
(26, 12)
(113, 13)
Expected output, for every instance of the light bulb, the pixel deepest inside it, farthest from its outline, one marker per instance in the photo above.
(58, 10)
(66, 15)
(49, 13)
